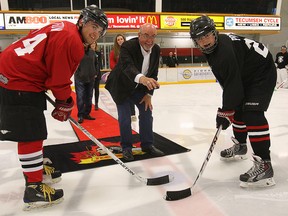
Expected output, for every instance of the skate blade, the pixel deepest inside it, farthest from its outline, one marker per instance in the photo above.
(262, 183)
(234, 158)
(39, 205)
(48, 179)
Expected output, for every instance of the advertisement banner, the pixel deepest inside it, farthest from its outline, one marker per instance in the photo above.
(195, 73)
(116, 21)
(35, 21)
(183, 22)
(2, 27)
(131, 21)
(252, 23)
(27, 21)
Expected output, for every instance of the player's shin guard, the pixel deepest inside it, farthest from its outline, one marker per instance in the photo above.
(31, 159)
(239, 149)
(37, 194)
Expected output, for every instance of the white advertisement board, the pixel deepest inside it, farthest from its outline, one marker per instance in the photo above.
(195, 73)
(35, 21)
(252, 23)
(2, 21)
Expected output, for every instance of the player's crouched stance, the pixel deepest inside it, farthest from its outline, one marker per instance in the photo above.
(27, 71)
(22, 120)
(246, 72)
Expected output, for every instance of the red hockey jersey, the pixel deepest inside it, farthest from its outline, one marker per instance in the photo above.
(45, 59)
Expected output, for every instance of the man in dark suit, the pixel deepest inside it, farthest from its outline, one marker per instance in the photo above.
(171, 60)
(134, 78)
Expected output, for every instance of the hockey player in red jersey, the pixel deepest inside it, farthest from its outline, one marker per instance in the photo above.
(245, 70)
(43, 60)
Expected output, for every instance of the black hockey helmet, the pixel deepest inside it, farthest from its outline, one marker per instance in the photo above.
(93, 13)
(202, 26)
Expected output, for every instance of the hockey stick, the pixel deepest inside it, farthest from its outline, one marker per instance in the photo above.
(148, 181)
(282, 84)
(181, 194)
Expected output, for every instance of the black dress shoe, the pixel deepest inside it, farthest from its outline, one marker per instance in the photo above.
(128, 155)
(153, 151)
(96, 107)
(80, 120)
(89, 117)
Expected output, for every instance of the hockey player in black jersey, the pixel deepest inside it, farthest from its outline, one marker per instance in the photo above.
(246, 72)
(281, 62)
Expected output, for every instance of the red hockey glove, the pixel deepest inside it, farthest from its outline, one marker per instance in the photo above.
(224, 118)
(63, 109)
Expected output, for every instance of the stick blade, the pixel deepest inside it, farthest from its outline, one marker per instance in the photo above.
(177, 195)
(159, 180)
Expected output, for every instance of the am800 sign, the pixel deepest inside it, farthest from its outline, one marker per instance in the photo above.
(35, 21)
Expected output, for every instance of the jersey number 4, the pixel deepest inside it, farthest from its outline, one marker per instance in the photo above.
(30, 44)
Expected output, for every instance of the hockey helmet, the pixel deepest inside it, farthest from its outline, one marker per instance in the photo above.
(93, 13)
(202, 26)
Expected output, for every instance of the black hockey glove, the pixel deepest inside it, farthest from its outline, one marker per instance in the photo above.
(224, 118)
(63, 109)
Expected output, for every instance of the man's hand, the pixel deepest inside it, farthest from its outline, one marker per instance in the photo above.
(63, 109)
(147, 100)
(224, 118)
(150, 83)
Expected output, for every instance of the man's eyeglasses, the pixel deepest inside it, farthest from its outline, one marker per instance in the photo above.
(146, 36)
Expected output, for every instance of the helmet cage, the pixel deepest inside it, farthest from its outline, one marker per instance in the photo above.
(210, 49)
(200, 27)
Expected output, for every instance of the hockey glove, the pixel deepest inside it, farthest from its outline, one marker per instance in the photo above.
(224, 118)
(63, 109)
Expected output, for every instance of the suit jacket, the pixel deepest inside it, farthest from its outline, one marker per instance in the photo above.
(171, 61)
(98, 65)
(120, 82)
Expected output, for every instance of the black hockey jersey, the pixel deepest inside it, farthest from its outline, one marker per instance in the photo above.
(243, 67)
(281, 60)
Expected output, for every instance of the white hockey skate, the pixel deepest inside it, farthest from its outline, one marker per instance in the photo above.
(236, 152)
(260, 175)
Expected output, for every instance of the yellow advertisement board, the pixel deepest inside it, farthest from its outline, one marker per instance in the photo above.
(170, 21)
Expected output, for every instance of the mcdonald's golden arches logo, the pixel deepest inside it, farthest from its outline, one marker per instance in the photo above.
(152, 20)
